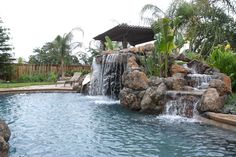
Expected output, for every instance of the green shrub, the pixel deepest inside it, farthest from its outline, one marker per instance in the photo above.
(225, 61)
(194, 56)
(32, 78)
(150, 65)
(52, 77)
(231, 102)
(6, 66)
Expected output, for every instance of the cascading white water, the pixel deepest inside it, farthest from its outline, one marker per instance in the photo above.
(181, 107)
(182, 103)
(201, 80)
(95, 83)
(107, 75)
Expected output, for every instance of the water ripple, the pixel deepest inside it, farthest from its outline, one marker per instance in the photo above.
(71, 125)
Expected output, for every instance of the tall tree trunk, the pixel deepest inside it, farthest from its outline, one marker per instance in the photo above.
(62, 68)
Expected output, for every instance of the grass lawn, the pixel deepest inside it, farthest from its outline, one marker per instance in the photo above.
(14, 85)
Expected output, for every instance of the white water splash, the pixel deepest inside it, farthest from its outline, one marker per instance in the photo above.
(103, 100)
(202, 80)
(176, 119)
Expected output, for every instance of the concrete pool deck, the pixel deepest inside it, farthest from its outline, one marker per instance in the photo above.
(38, 88)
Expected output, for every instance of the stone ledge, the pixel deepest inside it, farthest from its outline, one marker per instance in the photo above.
(223, 118)
(179, 92)
(36, 89)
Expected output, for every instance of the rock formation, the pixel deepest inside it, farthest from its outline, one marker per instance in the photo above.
(5, 134)
(192, 87)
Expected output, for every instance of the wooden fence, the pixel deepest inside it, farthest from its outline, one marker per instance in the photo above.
(30, 69)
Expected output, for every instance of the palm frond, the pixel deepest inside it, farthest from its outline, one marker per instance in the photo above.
(78, 29)
(155, 12)
(76, 45)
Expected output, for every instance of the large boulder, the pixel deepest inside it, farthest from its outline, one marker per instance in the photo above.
(135, 80)
(211, 101)
(5, 134)
(220, 86)
(226, 79)
(4, 131)
(175, 83)
(153, 99)
(131, 99)
(132, 64)
(175, 68)
(201, 68)
(4, 147)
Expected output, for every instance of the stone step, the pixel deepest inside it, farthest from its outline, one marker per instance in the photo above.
(179, 93)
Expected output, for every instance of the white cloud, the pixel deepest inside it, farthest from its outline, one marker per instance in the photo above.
(34, 22)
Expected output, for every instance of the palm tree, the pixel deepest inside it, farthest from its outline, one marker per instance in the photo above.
(167, 38)
(63, 46)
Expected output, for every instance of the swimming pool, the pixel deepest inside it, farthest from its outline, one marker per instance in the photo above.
(72, 125)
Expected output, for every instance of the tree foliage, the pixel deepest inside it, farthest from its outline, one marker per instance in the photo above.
(6, 68)
(5, 57)
(205, 23)
(59, 51)
(4, 38)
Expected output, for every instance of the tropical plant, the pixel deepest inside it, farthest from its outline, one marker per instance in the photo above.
(110, 45)
(94, 49)
(63, 46)
(151, 66)
(224, 60)
(167, 38)
(194, 56)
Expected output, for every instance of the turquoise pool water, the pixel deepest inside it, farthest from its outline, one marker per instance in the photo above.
(72, 125)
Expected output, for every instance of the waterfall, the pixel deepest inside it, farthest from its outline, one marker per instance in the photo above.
(181, 107)
(201, 80)
(182, 103)
(107, 75)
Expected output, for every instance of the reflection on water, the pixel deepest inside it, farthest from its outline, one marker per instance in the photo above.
(72, 125)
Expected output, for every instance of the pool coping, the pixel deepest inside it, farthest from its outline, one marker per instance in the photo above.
(216, 120)
(37, 89)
